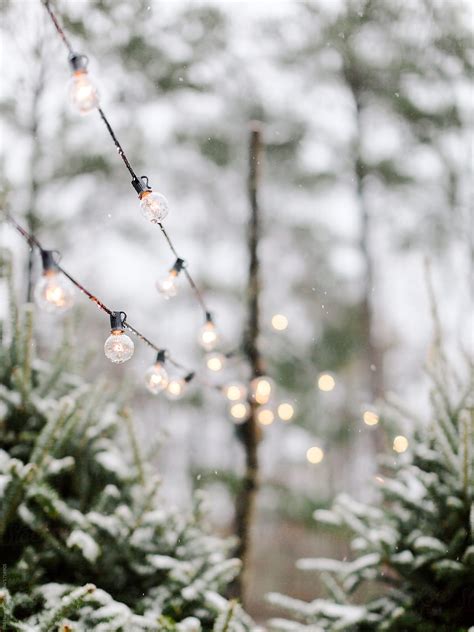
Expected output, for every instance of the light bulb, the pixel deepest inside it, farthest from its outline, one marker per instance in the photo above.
(175, 388)
(315, 455)
(326, 382)
(285, 411)
(235, 391)
(156, 378)
(82, 92)
(265, 415)
(154, 206)
(167, 287)
(400, 444)
(370, 418)
(118, 347)
(279, 322)
(261, 389)
(239, 411)
(53, 292)
(208, 336)
(215, 362)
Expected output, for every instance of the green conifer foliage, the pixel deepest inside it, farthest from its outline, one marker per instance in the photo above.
(414, 548)
(85, 542)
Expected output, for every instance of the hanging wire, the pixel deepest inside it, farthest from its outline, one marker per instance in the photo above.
(123, 156)
(34, 243)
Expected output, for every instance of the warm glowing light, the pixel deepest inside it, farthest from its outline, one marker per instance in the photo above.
(326, 382)
(235, 391)
(279, 322)
(156, 378)
(239, 411)
(315, 454)
(54, 293)
(400, 444)
(208, 336)
(118, 347)
(370, 418)
(285, 411)
(215, 362)
(154, 206)
(82, 92)
(265, 416)
(261, 388)
(167, 286)
(175, 388)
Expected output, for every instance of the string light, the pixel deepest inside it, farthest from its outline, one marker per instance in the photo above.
(235, 391)
(400, 444)
(208, 336)
(156, 377)
(52, 292)
(265, 415)
(154, 205)
(326, 382)
(177, 386)
(82, 92)
(279, 322)
(285, 411)
(370, 418)
(239, 411)
(215, 362)
(315, 455)
(167, 286)
(118, 347)
(261, 389)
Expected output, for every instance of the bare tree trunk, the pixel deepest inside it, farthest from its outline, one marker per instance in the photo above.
(374, 356)
(249, 432)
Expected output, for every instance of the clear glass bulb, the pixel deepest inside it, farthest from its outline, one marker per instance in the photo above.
(239, 411)
(54, 293)
(156, 378)
(118, 347)
(208, 336)
(261, 389)
(215, 362)
(175, 388)
(167, 287)
(82, 92)
(154, 206)
(235, 391)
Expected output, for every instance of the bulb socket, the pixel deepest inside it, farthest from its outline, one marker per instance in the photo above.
(178, 265)
(209, 318)
(189, 377)
(78, 62)
(161, 356)
(49, 264)
(141, 185)
(117, 320)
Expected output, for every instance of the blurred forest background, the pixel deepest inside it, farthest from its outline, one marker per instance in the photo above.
(366, 110)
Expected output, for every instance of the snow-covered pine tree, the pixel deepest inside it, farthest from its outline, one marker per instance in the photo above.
(85, 542)
(415, 546)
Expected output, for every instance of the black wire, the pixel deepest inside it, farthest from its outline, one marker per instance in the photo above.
(57, 26)
(119, 147)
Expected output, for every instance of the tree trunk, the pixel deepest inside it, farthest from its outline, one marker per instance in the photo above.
(249, 432)
(374, 359)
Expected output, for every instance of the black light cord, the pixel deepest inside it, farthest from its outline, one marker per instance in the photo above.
(128, 165)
